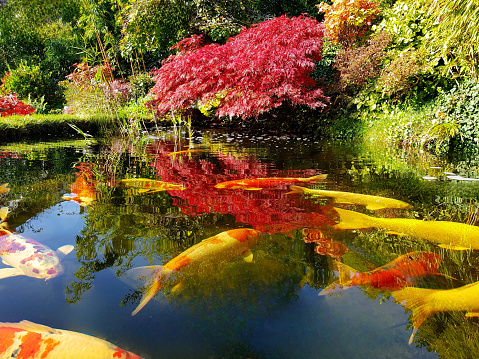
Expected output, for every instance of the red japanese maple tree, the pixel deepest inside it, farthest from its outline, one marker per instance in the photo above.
(252, 73)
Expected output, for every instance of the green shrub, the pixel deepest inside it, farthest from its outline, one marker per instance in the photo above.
(140, 84)
(32, 84)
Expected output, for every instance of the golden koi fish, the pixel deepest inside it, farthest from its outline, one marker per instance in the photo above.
(4, 189)
(451, 235)
(426, 302)
(221, 247)
(371, 202)
(255, 184)
(145, 185)
(30, 340)
(187, 152)
(83, 191)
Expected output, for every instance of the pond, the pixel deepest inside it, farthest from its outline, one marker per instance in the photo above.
(104, 199)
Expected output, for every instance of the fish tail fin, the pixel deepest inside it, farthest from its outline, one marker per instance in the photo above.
(3, 214)
(345, 274)
(297, 189)
(321, 177)
(418, 301)
(354, 220)
(155, 275)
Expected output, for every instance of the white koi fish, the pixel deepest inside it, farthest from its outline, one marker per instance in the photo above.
(30, 340)
(28, 257)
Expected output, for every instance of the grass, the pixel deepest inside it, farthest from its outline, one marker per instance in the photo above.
(18, 128)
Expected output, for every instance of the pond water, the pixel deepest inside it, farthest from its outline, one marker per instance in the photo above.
(77, 193)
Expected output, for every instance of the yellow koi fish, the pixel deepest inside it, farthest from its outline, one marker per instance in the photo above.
(371, 202)
(4, 189)
(426, 302)
(145, 185)
(451, 235)
(34, 341)
(221, 247)
(185, 152)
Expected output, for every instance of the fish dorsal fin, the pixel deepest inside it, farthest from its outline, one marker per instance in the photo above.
(64, 250)
(10, 272)
(454, 248)
(396, 233)
(247, 256)
(3, 213)
(374, 206)
(32, 327)
(472, 314)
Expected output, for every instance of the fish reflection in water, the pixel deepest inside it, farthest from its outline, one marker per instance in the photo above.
(394, 275)
(450, 235)
(371, 202)
(145, 185)
(426, 302)
(209, 252)
(83, 191)
(28, 257)
(4, 188)
(255, 184)
(324, 246)
(30, 340)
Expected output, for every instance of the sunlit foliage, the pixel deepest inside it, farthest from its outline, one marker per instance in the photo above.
(259, 69)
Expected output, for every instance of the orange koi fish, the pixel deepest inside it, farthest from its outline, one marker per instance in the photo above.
(255, 184)
(28, 257)
(83, 191)
(209, 252)
(34, 341)
(426, 302)
(4, 189)
(392, 276)
(145, 185)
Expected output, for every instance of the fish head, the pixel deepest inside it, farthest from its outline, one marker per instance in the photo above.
(42, 265)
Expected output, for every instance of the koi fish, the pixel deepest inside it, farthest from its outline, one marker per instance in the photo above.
(450, 235)
(371, 202)
(28, 257)
(148, 185)
(255, 184)
(184, 152)
(35, 341)
(426, 302)
(392, 276)
(221, 247)
(4, 189)
(83, 191)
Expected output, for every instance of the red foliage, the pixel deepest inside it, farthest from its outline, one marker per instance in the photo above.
(269, 211)
(11, 105)
(252, 73)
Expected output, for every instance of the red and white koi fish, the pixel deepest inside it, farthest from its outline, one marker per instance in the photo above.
(29, 340)
(394, 275)
(255, 184)
(221, 247)
(28, 257)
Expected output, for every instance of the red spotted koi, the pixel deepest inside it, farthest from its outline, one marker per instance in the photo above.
(28, 257)
(221, 247)
(392, 276)
(27, 340)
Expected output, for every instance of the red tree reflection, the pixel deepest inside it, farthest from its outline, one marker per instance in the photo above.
(266, 210)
